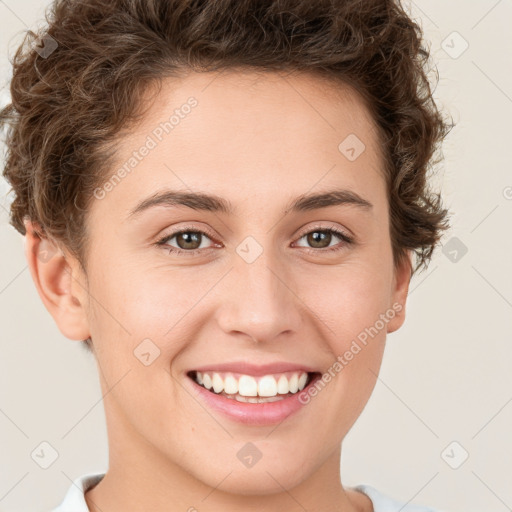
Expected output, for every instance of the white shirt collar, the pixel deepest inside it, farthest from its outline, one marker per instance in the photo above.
(74, 500)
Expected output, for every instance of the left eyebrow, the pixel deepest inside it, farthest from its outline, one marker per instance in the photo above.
(330, 198)
(214, 203)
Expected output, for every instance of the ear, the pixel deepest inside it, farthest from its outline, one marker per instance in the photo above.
(59, 282)
(400, 289)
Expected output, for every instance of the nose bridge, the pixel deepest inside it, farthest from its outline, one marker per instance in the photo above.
(260, 301)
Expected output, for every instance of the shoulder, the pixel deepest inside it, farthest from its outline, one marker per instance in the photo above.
(74, 500)
(384, 503)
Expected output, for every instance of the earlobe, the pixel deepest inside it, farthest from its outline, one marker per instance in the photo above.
(401, 281)
(54, 275)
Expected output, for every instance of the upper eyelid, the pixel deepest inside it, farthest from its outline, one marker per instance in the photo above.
(321, 227)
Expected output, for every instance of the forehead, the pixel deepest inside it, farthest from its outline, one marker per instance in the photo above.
(249, 135)
(257, 103)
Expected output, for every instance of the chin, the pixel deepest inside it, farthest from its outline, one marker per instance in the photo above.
(261, 482)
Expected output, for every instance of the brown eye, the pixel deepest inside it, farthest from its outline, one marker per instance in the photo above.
(319, 239)
(189, 239)
(186, 241)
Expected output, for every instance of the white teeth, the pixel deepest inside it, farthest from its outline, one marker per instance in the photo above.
(218, 383)
(282, 385)
(254, 400)
(302, 381)
(230, 385)
(293, 383)
(267, 386)
(207, 381)
(247, 388)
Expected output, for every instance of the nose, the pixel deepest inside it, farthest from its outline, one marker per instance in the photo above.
(259, 300)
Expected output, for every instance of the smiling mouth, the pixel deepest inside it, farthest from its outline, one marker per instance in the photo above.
(254, 389)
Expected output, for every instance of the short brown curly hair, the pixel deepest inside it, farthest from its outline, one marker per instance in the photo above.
(70, 105)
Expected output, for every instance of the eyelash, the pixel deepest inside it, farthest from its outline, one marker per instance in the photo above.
(340, 234)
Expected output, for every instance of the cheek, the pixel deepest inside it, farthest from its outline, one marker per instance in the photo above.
(351, 300)
(350, 307)
(142, 321)
(144, 302)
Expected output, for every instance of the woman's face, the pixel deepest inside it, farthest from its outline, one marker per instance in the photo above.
(266, 282)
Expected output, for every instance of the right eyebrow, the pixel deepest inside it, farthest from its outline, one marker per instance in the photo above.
(194, 200)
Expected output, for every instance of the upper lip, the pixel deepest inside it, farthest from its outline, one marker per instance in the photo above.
(255, 369)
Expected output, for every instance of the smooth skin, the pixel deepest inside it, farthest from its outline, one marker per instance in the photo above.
(258, 140)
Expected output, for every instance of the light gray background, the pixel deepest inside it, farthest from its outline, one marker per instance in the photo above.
(446, 374)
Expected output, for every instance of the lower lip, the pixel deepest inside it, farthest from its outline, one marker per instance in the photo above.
(253, 414)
